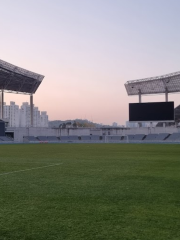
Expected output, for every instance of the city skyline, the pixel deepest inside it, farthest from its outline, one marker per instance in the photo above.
(88, 50)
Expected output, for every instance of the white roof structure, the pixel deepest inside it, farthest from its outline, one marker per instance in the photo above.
(19, 80)
(169, 83)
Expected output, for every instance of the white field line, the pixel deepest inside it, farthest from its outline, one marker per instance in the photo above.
(29, 169)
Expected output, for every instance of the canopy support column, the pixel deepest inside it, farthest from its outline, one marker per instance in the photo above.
(2, 104)
(31, 109)
(139, 96)
(166, 95)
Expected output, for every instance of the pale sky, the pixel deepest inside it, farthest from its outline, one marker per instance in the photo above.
(87, 50)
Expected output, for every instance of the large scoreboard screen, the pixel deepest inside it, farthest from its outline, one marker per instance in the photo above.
(154, 111)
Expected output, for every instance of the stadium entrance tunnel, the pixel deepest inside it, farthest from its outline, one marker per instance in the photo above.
(9, 134)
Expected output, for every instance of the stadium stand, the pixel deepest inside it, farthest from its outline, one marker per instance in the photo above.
(136, 137)
(64, 138)
(86, 138)
(112, 139)
(42, 138)
(130, 137)
(30, 139)
(115, 138)
(52, 139)
(73, 138)
(124, 138)
(151, 137)
(162, 136)
(104, 138)
(173, 137)
(95, 138)
(5, 139)
(139, 137)
(69, 138)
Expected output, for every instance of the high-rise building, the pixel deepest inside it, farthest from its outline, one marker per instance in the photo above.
(6, 111)
(22, 117)
(114, 124)
(44, 119)
(132, 124)
(12, 113)
(25, 118)
(36, 117)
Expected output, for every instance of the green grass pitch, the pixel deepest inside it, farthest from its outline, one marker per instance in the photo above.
(95, 192)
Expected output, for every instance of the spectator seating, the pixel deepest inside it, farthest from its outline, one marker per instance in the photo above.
(31, 139)
(95, 137)
(135, 137)
(174, 137)
(64, 138)
(69, 138)
(73, 138)
(103, 138)
(5, 139)
(130, 137)
(86, 138)
(116, 138)
(151, 137)
(42, 138)
(112, 139)
(162, 136)
(52, 139)
(139, 137)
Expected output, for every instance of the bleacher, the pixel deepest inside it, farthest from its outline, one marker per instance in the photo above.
(135, 137)
(139, 138)
(162, 136)
(174, 137)
(86, 138)
(73, 138)
(156, 137)
(30, 139)
(151, 137)
(63, 138)
(95, 138)
(130, 137)
(5, 139)
(42, 138)
(52, 139)
(123, 138)
(114, 138)
(69, 138)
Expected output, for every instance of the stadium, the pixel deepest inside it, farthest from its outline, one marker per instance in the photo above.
(91, 183)
(16, 79)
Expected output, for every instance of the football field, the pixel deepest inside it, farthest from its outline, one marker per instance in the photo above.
(89, 192)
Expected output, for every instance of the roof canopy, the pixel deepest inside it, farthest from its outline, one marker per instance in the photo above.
(167, 83)
(19, 80)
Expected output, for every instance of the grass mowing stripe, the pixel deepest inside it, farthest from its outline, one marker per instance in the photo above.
(29, 169)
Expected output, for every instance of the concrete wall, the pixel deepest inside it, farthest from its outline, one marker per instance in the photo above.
(20, 131)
